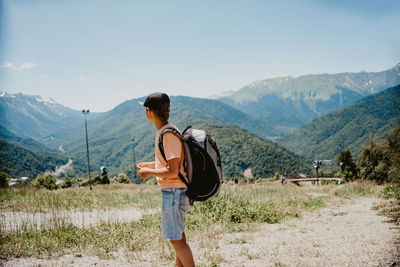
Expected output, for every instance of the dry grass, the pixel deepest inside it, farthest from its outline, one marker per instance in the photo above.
(28, 199)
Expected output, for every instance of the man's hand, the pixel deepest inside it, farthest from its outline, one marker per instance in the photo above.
(145, 165)
(144, 172)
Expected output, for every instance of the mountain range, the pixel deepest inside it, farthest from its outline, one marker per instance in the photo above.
(288, 103)
(35, 117)
(350, 127)
(111, 135)
(355, 105)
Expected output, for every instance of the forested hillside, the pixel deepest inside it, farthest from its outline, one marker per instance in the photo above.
(288, 103)
(351, 127)
(17, 161)
(111, 134)
(241, 150)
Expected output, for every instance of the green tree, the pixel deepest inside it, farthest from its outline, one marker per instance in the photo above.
(4, 180)
(345, 161)
(393, 141)
(46, 180)
(347, 174)
(374, 161)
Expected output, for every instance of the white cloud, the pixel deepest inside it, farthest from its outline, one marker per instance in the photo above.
(83, 78)
(9, 65)
(21, 67)
(43, 76)
(27, 65)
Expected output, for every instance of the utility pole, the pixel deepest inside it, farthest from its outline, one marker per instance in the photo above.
(134, 158)
(85, 112)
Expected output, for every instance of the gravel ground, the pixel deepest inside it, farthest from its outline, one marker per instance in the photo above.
(349, 235)
(352, 234)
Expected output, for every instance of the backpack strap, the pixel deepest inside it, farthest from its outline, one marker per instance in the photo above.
(161, 148)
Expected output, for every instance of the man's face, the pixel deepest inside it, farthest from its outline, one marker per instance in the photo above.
(149, 115)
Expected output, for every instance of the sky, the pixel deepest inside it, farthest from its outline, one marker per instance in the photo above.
(95, 54)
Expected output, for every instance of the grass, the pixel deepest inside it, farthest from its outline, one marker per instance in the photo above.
(391, 208)
(238, 208)
(28, 199)
(357, 189)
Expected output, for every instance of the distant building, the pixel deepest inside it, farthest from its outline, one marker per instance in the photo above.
(15, 181)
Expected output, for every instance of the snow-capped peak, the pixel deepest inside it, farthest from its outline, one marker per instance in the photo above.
(45, 100)
(5, 94)
(397, 67)
(221, 95)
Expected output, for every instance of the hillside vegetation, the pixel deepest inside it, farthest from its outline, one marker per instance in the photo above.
(350, 127)
(17, 161)
(241, 150)
(111, 134)
(288, 103)
(24, 142)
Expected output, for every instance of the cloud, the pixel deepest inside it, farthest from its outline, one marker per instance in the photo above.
(83, 78)
(28, 65)
(43, 76)
(21, 67)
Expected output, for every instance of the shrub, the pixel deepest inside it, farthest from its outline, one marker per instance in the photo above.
(122, 178)
(97, 178)
(4, 180)
(67, 182)
(104, 179)
(251, 180)
(45, 180)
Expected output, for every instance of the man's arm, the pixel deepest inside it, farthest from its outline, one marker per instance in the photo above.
(170, 171)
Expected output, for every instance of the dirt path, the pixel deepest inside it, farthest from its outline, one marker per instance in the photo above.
(350, 235)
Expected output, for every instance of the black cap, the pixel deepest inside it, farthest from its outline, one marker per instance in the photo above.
(155, 100)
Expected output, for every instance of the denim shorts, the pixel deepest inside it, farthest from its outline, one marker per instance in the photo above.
(175, 204)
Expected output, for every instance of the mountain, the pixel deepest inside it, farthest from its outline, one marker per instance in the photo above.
(17, 161)
(193, 109)
(288, 103)
(35, 117)
(111, 134)
(351, 127)
(242, 150)
(24, 142)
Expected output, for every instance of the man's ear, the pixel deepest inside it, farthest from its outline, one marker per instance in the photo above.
(149, 112)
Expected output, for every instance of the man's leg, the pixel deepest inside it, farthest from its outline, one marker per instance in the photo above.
(184, 257)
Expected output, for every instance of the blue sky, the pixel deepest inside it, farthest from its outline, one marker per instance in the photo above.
(98, 53)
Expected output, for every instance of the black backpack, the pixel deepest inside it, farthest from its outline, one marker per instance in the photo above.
(202, 163)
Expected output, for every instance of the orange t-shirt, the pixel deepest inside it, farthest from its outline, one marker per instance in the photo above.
(173, 149)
